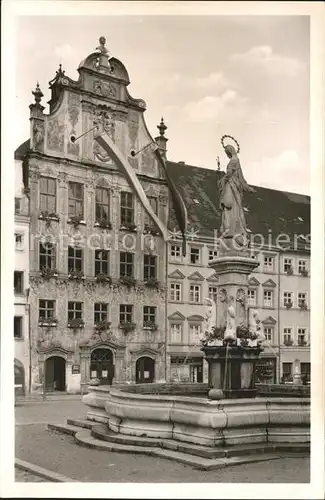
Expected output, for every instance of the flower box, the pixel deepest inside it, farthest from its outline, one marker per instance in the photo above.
(48, 273)
(128, 227)
(76, 275)
(127, 327)
(288, 342)
(303, 306)
(103, 278)
(216, 334)
(289, 271)
(242, 332)
(303, 272)
(152, 283)
(153, 230)
(76, 220)
(288, 305)
(302, 343)
(128, 281)
(48, 217)
(101, 326)
(76, 323)
(149, 325)
(103, 223)
(47, 322)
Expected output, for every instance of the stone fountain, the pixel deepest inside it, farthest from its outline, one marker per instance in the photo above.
(232, 343)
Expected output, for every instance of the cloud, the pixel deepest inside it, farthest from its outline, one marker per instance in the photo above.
(212, 81)
(274, 64)
(215, 81)
(63, 51)
(214, 107)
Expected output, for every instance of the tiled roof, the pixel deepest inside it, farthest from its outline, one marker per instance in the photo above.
(265, 209)
(22, 150)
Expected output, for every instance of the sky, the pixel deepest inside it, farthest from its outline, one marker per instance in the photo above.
(246, 76)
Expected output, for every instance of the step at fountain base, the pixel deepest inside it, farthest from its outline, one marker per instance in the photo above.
(98, 436)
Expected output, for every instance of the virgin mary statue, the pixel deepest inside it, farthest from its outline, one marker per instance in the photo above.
(232, 186)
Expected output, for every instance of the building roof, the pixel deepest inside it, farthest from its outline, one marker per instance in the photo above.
(22, 150)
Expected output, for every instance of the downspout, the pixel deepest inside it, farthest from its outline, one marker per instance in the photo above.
(29, 343)
(166, 309)
(279, 329)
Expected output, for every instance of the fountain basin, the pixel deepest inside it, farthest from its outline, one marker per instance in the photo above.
(144, 412)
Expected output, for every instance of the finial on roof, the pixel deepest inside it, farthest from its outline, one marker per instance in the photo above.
(38, 94)
(60, 72)
(162, 127)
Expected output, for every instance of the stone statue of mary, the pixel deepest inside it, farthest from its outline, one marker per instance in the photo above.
(232, 186)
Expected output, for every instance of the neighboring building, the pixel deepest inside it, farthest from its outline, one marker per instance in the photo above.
(279, 288)
(97, 264)
(21, 283)
(109, 297)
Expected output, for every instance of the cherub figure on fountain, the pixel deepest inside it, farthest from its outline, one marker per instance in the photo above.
(230, 333)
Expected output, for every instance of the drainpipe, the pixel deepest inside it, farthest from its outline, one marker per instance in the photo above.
(166, 307)
(29, 343)
(279, 329)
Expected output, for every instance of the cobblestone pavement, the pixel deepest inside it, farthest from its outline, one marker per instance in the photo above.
(60, 453)
(22, 476)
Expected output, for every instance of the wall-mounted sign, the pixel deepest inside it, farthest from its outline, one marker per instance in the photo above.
(75, 369)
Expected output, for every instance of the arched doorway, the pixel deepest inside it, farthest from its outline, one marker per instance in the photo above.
(145, 370)
(19, 377)
(55, 374)
(102, 365)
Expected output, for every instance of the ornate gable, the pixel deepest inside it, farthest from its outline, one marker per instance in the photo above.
(196, 276)
(145, 351)
(269, 283)
(195, 317)
(253, 281)
(176, 275)
(176, 316)
(269, 321)
(214, 278)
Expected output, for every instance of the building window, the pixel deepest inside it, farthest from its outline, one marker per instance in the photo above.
(175, 251)
(213, 290)
(302, 338)
(74, 310)
(302, 300)
(17, 206)
(76, 200)
(176, 333)
(195, 256)
(100, 312)
(195, 332)
(18, 327)
(175, 292)
(268, 264)
(287, 336)
(149, 267)
(302, 267)
(46, 309)
(268, 298)
(101, 262)
(19, 282)
(251, 297)
(268, 332)
(126, 311)
(287, 299)
(19, 241)
(195, 293)
(127, 212)
(305, 372)
(149, 315)
(126, 264)
(287, 372)
(48, 195)
(46, 256)
(74, 259)
(287, 265)
(102, 204)
(213, 254)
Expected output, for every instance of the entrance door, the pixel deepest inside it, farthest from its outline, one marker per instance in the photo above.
(101, 366)
(55, 374)
(19, 378)
(145, 370)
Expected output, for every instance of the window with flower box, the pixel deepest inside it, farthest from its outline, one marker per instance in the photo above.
(149, 316)
(251, 297)
(176, 333)
(126, 313)
(287, 372)
(76, 200)
(288, 265)
(287, 336)
(195, 293)
(101, 262)
(268, 332)
(75, 258)
(46, 256)
(127, 209)
(195, 333)
(18, 327)
(195, 255)
(268, 264)
(19, 282)
(126, 264)
(48, 195)
(268, 298)
(149, 267)
(302, 336)
(75, 310)
(175, 251)
(213, 254)
(213, 290)
(102, 208)
(302, 300)
(175, 292)
(46, 311)
(100, 312)
(305, 372)
(302, 266)
(288, 299)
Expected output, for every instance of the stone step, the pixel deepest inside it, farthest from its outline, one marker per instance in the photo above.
(71, 430)
(83, 423)
(85, 438)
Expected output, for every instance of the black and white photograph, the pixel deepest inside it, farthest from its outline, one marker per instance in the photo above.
(163, 172)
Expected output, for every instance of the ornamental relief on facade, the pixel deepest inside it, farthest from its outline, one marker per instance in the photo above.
(104, 89)
(38, 135)
(133, 127)
(55, 135)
